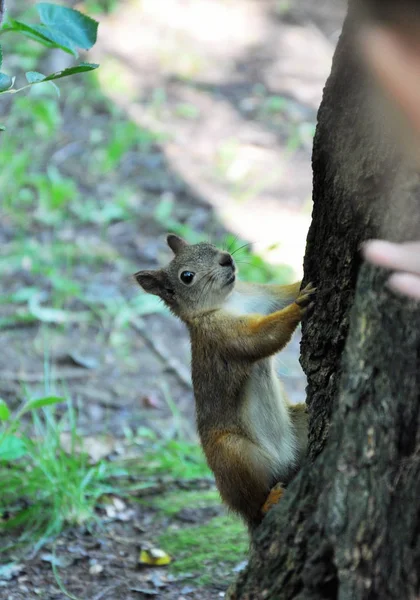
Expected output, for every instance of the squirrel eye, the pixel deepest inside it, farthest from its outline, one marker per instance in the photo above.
(187, 277)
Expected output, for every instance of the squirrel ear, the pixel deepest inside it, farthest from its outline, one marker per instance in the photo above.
(157, 283)
(175, 243)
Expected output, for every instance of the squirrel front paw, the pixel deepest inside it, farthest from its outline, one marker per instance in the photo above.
(305, 297)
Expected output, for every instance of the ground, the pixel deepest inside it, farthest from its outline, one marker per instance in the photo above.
(200, 121)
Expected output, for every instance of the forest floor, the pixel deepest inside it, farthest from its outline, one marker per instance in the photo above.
(199, 121)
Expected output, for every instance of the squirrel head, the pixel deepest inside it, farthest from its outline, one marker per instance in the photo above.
(199, 277)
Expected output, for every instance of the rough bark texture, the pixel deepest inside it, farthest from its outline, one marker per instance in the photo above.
(348, 527)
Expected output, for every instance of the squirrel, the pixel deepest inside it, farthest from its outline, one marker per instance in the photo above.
(253, 440)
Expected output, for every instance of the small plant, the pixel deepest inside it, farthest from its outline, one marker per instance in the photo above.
(43, 486)
(221, 542)
(273, 105)
(183, 460)
(122, 137)
(60, 27)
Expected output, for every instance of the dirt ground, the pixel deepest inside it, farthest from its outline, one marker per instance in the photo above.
(234, 86)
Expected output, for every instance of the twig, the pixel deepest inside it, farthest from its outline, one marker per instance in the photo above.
(39, 377)
(177, 368)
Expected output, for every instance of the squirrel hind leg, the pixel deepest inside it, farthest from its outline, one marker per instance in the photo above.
(242, 474)
(273, 498)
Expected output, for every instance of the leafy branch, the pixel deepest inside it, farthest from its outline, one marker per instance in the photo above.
(59, 27)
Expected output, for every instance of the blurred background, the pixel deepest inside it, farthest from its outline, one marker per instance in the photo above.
(199, 121)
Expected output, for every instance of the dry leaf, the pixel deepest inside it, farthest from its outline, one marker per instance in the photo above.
(58, 561)
(96, 569)
(80, 360)
(97, 447)
(10, 570)
(116, 509)
(151, 401)
(154, 557)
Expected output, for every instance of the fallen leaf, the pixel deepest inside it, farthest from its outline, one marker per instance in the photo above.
(97, 447)
(158, 579)
(241, 566)
(151, 401)
(9, 571)
(116, 509)
(154, 557)
(77, 549)
(119, 504)
(96, 569)
(57, 561)
(187, 589)
(80, 360)
(47, 314)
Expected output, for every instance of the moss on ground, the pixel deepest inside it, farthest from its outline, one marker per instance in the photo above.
(171, 504)
(212, 549)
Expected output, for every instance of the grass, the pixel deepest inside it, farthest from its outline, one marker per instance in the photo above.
(171, 504)
(183, 460)
(48, 485)
(218, 545)
(45, 487)
(211, 549)
(171, 453)
(52, 265)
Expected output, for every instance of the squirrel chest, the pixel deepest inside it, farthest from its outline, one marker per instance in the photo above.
(237, 395)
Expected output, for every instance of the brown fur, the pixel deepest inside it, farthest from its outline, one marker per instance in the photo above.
(231, 370)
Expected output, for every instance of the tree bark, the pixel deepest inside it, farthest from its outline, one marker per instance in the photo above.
(348, 526)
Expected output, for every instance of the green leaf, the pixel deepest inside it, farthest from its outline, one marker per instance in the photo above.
(79, 28)
(34, 77)
(12, 447)
(6, 82)
(22, 295)
(2, 128)
(82, 68)
(43, 35)
(47, 314)
(41, 402)
(4, 411)
(56, 88)
(163, 210)
(56, 37)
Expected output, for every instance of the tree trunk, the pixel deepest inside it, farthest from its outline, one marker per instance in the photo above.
(348, 525)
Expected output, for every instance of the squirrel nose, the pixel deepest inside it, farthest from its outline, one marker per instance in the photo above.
(226, 260)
